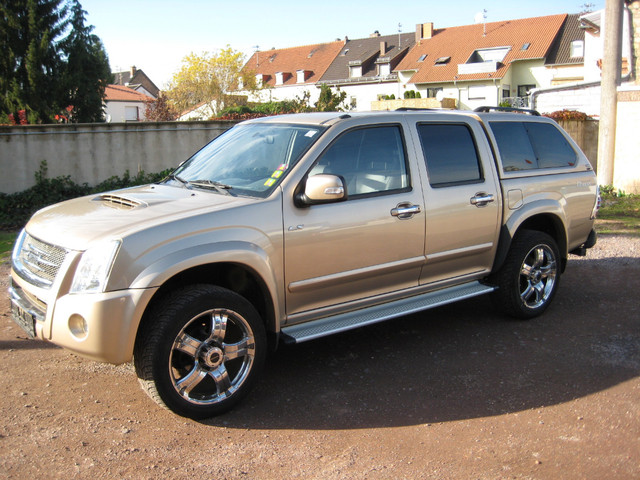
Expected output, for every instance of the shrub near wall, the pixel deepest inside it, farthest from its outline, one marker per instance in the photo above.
(17, 208)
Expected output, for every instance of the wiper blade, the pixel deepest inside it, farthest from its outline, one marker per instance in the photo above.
(217, 186)
(173, 176)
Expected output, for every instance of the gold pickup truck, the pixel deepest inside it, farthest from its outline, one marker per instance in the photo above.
(289, 228)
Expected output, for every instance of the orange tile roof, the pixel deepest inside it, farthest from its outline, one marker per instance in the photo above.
(312, 58)
(119, 93)
(459, 43)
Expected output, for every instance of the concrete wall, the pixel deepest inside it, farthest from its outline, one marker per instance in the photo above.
(626, 170)
(91, 153)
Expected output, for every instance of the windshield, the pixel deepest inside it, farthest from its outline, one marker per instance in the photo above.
(248, 159)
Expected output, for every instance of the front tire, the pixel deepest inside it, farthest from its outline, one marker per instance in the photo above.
(530, 275)
(200, 351)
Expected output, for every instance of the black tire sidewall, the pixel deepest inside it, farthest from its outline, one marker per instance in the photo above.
(170, 318)
(507, 297)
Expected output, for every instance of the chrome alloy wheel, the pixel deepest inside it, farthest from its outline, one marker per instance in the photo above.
(538, 276)
(212, 356)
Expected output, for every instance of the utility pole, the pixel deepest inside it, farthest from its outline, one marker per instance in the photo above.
(611, 64)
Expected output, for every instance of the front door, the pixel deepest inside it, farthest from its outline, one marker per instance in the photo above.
(365, 246)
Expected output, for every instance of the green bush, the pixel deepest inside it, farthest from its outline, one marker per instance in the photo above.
(17, 208)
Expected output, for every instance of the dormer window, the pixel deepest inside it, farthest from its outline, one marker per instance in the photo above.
(261, 79)
(302, 75)
(355, 69)
(280, 78)
(577, 48)
(489, 55)
(384, 69)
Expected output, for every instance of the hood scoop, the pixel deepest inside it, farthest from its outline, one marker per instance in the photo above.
(119, 202)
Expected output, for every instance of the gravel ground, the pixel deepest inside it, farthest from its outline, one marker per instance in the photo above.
(454, 393)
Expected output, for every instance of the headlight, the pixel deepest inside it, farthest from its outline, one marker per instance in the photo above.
(94, 268)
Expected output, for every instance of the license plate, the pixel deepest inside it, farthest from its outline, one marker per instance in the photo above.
(24, 319)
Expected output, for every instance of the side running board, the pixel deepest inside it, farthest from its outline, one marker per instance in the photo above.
(378, 313)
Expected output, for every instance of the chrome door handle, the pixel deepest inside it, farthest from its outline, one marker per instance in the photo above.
(405, 210)
(481, 199)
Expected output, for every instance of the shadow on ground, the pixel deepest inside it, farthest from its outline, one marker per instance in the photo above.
(457, 362)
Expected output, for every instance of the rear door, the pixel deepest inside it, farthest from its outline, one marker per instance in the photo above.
(463, 203)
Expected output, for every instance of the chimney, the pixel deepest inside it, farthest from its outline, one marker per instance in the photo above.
(383, 48)
(374, 34)
(133, 71)
(427, 30)
(424, 31)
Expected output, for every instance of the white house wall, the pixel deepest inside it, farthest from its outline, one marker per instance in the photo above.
(285, 92)
(582, 99)
(362, 95)
(115, 111)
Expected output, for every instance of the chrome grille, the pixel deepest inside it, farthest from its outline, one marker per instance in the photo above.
(39, 262)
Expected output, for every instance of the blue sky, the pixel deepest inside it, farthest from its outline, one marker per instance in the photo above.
(155, 35)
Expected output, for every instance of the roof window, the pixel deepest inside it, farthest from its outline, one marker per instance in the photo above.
(525, 47)
(422, 57)
(442, 60)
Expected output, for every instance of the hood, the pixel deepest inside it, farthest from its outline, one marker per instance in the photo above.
(76, 223)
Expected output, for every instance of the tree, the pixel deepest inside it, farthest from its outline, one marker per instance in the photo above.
(86, 71)
(159, 109)
(208, 79)
(30, 36)
(329, 101)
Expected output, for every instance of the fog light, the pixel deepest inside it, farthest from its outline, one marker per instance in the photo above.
(78, 326)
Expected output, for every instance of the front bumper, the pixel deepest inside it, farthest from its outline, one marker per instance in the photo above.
(99, 326)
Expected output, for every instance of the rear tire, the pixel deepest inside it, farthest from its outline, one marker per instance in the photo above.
(529, 277)
(200, 351)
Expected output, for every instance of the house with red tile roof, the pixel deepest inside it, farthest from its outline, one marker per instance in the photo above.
(364, 68)
(124, 104)
(576, 82)
(136, 79)
(288, 73)
(481, 64)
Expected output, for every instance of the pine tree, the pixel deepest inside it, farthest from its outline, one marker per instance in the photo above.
(30, 36)
(86, 73)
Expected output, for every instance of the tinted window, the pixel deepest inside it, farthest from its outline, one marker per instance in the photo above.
(527, 145)
(371, 160)
(551, 147)
(450, 154)
(514, 145)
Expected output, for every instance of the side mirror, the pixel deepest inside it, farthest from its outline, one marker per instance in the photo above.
(320, 189)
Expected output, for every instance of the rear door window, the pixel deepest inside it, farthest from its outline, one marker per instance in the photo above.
(450, 154)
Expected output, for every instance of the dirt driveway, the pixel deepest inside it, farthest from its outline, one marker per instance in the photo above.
(455, 393)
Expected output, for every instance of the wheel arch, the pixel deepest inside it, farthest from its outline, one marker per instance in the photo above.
(549, 223)
(253, 278)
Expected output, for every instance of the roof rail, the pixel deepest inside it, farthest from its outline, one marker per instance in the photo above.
(416, 109)
(485, 109)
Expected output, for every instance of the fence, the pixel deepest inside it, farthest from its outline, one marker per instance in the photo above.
(91, 153)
